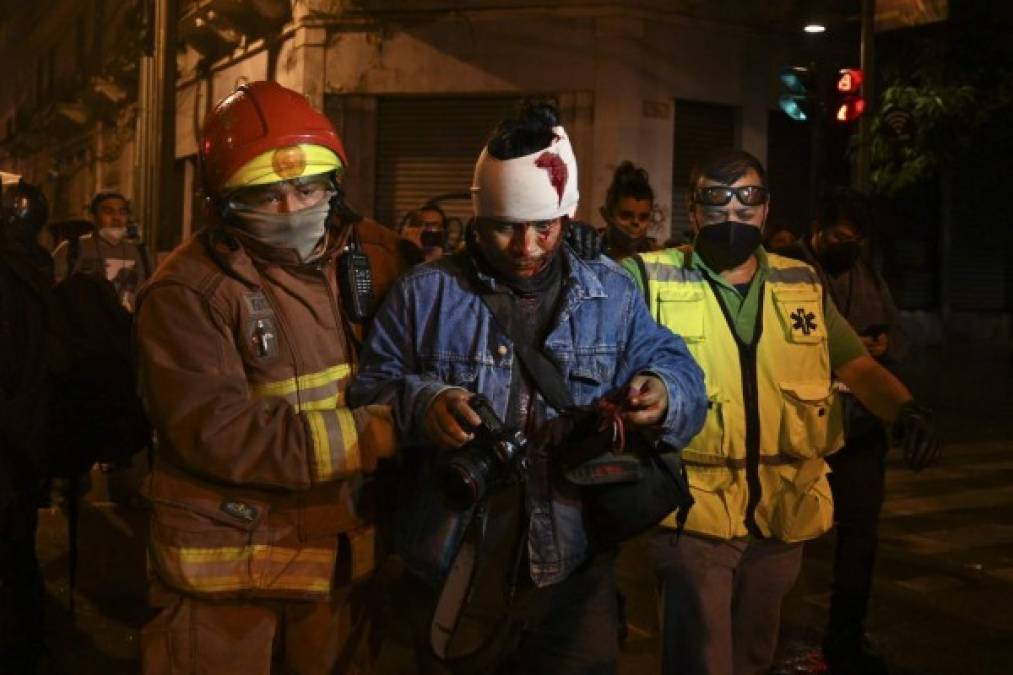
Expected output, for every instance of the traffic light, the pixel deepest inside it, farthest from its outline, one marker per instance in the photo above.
(799, 99)
(849, 104)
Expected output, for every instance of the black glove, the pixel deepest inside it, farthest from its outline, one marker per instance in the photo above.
(587, 241)
(915, 430)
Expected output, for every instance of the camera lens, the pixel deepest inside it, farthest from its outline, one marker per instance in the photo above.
(463, 479)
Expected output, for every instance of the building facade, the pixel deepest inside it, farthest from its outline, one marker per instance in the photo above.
(415, 87)
(68, 106)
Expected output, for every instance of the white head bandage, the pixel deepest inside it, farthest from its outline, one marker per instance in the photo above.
(539, 186)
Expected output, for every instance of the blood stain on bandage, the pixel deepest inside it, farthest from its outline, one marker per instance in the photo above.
(556, 168)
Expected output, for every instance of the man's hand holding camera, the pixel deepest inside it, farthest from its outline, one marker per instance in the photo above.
(445, 423)
(442, 423)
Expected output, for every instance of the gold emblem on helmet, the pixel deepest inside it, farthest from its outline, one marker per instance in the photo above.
(289, 162)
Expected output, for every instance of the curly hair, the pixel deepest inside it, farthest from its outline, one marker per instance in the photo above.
(529, 132)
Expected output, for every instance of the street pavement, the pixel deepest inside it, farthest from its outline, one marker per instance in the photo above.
(943, 597)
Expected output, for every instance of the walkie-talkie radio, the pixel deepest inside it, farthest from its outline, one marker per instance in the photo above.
(356, 280)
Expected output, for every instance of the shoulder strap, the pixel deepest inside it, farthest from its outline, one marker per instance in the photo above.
(73, 253)
(638, 260)
(142, 253)
(687, 255)
(545, 374)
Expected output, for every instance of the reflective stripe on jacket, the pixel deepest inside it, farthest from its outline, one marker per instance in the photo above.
(245, 360)
(757, 465)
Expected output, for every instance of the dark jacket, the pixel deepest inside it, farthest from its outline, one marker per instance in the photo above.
(863, 298)
(31, 359)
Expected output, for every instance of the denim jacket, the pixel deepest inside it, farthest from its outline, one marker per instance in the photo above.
(433, 332)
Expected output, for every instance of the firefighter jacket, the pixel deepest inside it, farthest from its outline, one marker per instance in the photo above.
(756, 468)
(245, 357)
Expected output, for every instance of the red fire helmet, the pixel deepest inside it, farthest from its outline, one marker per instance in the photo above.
(255, 119)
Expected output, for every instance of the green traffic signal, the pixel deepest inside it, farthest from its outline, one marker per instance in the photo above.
(796, 79)
(794, 106)
(800, 95)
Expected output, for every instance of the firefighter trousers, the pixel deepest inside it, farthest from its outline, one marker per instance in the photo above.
(194, 636)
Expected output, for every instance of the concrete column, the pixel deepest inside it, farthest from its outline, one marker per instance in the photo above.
(301, 64)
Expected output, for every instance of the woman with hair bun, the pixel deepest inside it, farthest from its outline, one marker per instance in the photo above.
(629, 205)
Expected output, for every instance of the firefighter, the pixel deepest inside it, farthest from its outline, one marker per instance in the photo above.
(260, 546)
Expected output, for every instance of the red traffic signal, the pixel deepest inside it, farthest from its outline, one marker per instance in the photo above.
(849, 80)
(850, 109)
(849, 105)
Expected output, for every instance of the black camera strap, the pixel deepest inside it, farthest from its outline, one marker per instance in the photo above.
(536, 364)
(459, 586)
(550, 383)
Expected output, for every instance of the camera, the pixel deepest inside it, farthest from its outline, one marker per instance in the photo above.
(490, 460)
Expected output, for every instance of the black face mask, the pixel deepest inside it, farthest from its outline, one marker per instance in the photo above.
(431, 239)
(841, 257)
(727, 245)
(624, 242)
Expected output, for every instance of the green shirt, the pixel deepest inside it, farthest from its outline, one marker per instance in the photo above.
(842, 341)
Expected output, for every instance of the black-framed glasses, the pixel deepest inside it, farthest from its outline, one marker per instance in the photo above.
(719, 195)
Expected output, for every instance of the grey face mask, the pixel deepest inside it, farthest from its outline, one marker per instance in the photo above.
(113, 235)
(299, 230)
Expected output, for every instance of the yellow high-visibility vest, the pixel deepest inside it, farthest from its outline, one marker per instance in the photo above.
(757, 465)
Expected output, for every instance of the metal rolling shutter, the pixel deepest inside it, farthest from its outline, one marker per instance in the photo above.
(427, 146)
(700, 128)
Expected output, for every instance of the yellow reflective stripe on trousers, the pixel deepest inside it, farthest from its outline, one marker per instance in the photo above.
(258, 566)
(335, 442)
(283, 388)
(236, 553)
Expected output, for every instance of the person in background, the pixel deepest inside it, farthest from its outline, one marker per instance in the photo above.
(27, 212)
(835, 249)
(455, 235)
(628, 210)
(427, 229)
(31, 359)
(112, 251)
(777, 236)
